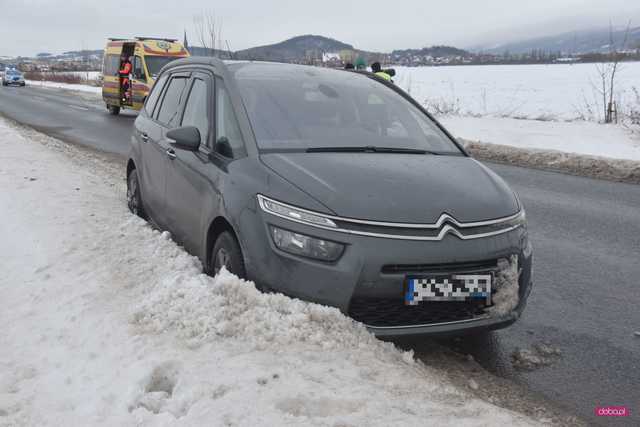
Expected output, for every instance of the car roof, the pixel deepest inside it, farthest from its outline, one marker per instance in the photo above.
(256, 68)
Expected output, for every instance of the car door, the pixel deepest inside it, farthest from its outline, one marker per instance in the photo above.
(155, 146)
(139, 83)
(191, 177)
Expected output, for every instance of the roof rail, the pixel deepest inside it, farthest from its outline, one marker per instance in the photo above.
(114, 39)
(156, 38)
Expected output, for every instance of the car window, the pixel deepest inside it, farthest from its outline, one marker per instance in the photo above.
(138, 69)
(226, 121)
(196, 112)
(168, 110)
(156, 90)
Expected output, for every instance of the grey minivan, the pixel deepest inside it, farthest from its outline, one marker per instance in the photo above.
(331, 186)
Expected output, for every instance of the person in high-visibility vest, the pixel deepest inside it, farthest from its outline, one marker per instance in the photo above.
(376, 69)
(124, 72)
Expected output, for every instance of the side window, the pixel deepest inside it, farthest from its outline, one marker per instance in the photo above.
(167, 113)
(156, 90)
(138, 69)
(226, 121)
(196, 112)
(111, 65)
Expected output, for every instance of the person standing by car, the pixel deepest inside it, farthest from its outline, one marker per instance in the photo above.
(376, 69)
(124, 72)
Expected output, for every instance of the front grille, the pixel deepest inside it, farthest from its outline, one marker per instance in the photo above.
(390, 312)
(449, 268)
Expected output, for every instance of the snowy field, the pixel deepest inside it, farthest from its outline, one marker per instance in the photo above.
(544, 92)
(107, 322)
(548, 107)
(96, 90)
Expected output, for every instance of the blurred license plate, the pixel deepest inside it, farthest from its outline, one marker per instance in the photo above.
(456, 287)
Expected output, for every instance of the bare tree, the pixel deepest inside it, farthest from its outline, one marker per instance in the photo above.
(209, 32)
(607, 73)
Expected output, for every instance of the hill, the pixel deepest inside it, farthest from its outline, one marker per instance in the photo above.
(575, 42)
(294, 49)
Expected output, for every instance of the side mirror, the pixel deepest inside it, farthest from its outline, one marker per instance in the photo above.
(223, 147)
(186, 137)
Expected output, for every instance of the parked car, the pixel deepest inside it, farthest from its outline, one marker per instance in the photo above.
(331, 186)
(13, 77)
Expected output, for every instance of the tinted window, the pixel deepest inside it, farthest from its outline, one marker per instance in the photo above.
(303, 107)
(156, 90)
(226, 121)
(155, 63)
(195, 111)
(171, 101)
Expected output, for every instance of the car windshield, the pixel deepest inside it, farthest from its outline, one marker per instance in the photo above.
(155, 63)
(304, 108)
(12, 73)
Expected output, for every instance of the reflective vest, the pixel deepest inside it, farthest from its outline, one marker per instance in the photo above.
(384, 75)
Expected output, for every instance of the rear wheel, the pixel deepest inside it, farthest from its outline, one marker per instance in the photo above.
(113, 110)
(227, 253)
(134, 198)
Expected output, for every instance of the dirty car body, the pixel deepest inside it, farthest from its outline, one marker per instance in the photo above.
(339, 189)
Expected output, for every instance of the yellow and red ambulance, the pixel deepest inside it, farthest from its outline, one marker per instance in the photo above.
(148, 56)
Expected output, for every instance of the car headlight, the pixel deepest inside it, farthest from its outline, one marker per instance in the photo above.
(292, 213)
(306, 246)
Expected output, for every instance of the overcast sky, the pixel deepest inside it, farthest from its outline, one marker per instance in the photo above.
(28, 27)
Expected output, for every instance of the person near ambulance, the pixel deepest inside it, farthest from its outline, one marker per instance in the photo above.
(125, 78)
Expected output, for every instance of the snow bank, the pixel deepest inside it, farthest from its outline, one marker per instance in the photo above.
(97, 90)
(575, 164)
(583, 138)
(108, 322)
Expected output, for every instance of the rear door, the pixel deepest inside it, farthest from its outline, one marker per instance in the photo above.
(155, 145)
(190, 175)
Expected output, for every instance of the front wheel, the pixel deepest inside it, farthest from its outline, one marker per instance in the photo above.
(113, 110)
(227, 253)
(134, 198)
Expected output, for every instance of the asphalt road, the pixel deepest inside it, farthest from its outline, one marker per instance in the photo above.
(586, 297)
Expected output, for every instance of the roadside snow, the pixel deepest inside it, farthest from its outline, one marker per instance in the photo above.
(67, 86)
(108, 322)
(585, 138)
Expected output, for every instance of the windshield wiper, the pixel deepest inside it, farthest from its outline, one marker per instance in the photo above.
(368, 149)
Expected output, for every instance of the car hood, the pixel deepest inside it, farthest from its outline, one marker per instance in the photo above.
(397, 187)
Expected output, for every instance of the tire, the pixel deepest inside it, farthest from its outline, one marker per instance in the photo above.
(226, 252)
(113, 110)
(134, 197)
(23, 84)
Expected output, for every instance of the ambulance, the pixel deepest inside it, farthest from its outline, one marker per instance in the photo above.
(147, 56)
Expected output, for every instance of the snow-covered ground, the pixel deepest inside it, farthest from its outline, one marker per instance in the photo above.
(97, 90)
(556, 91)
(106, 321)
(586, 138)
(527, 106)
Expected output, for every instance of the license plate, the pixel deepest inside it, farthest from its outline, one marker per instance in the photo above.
(456, 287)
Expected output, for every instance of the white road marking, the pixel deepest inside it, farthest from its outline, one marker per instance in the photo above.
(77, 107)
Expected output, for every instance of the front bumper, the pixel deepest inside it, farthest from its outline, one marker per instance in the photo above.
(361, 271)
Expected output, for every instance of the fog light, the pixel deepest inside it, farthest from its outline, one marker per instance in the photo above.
(300, 244)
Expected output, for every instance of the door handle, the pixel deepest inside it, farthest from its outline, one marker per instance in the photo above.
(144, 137)
(171, 154)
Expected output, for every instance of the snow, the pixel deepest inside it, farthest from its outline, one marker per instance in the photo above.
(556, 91)
(546, 107)
(106, 321)
(506, 298)
(66, 86)
(586, 138)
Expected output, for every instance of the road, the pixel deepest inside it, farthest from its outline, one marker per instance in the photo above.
(586, 298)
